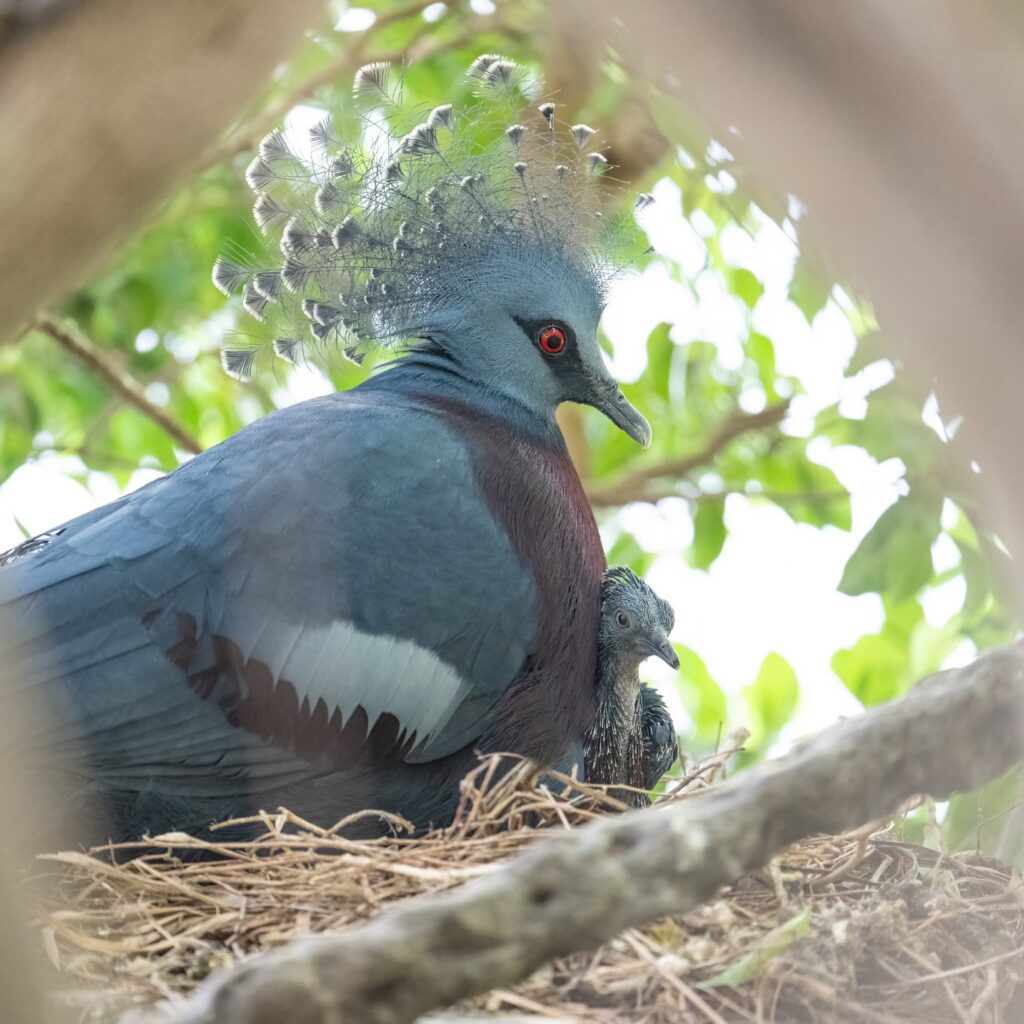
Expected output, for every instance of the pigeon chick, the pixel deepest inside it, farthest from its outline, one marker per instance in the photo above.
(632, 741)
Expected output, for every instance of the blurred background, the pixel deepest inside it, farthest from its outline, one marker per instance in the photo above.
(808, 505)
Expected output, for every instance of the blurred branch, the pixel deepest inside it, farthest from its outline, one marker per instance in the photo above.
(637, 485)
(574, 891)
(775, 497)
(875, 115)
(107, 105)
(573, 62)
(107, 369)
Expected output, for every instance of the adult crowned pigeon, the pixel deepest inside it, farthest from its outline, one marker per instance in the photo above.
(337, 607)
(632, 741)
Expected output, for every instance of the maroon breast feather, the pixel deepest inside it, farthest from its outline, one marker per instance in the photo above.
(534, 491)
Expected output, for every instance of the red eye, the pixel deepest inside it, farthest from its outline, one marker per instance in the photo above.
(551, 340)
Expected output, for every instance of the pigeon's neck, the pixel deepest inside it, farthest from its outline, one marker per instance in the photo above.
(425, 374)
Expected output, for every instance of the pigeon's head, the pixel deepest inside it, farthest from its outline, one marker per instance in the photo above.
(635, 622)
(524, 322)
(482, 234)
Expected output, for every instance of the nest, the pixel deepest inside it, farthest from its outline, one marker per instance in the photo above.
(859, 928)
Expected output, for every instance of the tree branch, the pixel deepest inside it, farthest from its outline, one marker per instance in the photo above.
(952, 732)
(123, 383)
(885, 113)
(783, 498)
(635, 486)
(135, 91)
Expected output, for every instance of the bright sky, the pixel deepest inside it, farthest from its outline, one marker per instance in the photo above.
(773, 588)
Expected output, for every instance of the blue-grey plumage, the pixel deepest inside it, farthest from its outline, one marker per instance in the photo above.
(633, 740)
(298, 553)
(337, 607)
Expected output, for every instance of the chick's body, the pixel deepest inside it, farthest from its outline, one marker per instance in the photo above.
(632, 742)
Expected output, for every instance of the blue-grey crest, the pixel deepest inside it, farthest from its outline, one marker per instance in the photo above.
(417, 231)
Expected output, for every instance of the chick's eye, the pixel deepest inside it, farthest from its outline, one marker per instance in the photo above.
(551, 340)
(622, 619)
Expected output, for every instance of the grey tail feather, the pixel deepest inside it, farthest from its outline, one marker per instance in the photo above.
(514, 133)
(422, 139)
(327, 199)
(254, 302)
(260, 175)
(478, 69)
(442, 117)
(581, 133)
(274, 146)
(268, 284)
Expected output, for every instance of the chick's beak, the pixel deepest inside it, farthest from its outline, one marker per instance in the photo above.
(662, 648)
(607, 397)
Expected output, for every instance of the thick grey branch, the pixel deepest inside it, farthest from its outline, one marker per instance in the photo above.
(577, 890)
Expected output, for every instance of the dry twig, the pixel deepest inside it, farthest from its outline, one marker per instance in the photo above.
(877, 921)
(85, 350)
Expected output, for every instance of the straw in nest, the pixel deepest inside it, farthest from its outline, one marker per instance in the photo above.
(859, 928)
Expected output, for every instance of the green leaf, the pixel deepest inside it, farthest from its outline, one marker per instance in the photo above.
(878, 666)
(895, 556)
(975, 574)
(627, 551)
(981, 818)
(744, 283)
(761, 350)
(772, 697)
(660, 350)
(892, 429)
(709, 533)
(774, 944)
(930, 647)
(806, 491)
(702, 697)
(806, 291)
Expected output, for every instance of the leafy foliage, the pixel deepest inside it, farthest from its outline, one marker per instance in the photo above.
(733, 418)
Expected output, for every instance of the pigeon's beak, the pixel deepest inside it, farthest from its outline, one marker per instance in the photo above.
(607, 396)
(662, 648)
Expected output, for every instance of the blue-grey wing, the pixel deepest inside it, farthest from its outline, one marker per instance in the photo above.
(658, 731)
(334, 563)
